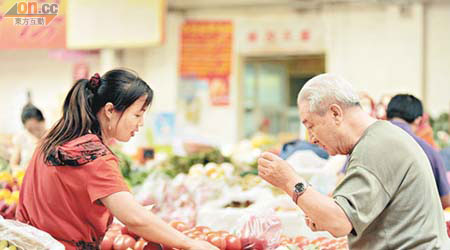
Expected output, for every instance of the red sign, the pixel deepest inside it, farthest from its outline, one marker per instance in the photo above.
(206, 48)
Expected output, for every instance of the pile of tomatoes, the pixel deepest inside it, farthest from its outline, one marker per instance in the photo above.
(119, 238)
(221, 239)
(322, 243)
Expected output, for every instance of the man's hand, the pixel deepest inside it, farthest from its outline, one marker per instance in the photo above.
(323, 214)
(277, 172)
(310, 223)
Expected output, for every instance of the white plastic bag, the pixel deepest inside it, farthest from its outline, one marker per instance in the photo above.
(260, 231)
(26, 237)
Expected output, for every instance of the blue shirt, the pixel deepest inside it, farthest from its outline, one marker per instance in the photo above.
(289, 148)
(445, 153)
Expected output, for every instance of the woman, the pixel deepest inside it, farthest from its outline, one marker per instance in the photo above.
(73, 186)
(25, 142)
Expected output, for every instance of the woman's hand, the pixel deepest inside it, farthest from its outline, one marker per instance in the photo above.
(149, 226)
(201, 245)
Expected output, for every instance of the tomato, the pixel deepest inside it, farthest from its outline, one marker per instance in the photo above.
(200, 236)
(153, 246)
(301, 241)
(122, 242)
(107, 242)
(285, 240)
(202, 229)
(118, 242)
(222, 233)
(196, 234)
(140, 244)
(217, 241)
(179, 225)
(333, 246)
(319, 240)
(113, 234)
(233, 242)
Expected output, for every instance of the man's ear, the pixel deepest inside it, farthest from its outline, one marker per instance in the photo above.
(417, 121)
(337, 113)
(109, 109)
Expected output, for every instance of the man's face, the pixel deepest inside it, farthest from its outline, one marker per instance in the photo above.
(321, 129)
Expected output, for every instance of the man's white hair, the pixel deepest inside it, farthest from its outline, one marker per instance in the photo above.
(326, 89)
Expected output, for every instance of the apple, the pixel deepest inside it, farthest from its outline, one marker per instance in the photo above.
(202, 229)
(122, 242)
(153, 246)
(233, 242)
(140, 244)
(107, 242)
(301, 241)
(217, 240)
(3, 206)
(10, 213)
(179, 225)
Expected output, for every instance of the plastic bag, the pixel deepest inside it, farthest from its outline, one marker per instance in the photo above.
(27, 237)
(260, 231)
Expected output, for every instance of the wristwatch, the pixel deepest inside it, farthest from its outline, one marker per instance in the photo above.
(299, 189)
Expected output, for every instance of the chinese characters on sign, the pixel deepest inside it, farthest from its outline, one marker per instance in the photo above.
(33, 24)
(27, 21)
(290, 35)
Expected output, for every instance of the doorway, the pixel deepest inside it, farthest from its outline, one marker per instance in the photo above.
(269, 93)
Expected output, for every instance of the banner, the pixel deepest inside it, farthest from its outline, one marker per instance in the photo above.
(206, 49)
(98, 24)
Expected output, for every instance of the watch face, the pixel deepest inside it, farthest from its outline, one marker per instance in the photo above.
(300, 187)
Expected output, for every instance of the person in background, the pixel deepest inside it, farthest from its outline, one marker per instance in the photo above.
(73, 187)
(425, 131)
(406, 111)
(25, 142)
(445, 153)
(387, 198)
(291, 147)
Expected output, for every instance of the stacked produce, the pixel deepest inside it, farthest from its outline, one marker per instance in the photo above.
(119, 238)
(182, 164)
(134, 176)
(9, 192)
(6, 245)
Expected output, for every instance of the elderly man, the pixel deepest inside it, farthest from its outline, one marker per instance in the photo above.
(387, 199)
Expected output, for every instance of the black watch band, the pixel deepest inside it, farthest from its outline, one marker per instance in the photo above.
(299, 189)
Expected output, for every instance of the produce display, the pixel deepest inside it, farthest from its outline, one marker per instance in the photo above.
(6, 245)
(9, 192)
(182, 164)
(132, 176)
(448, 228)
(21, 236)
(214, 195)
(119, 238)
